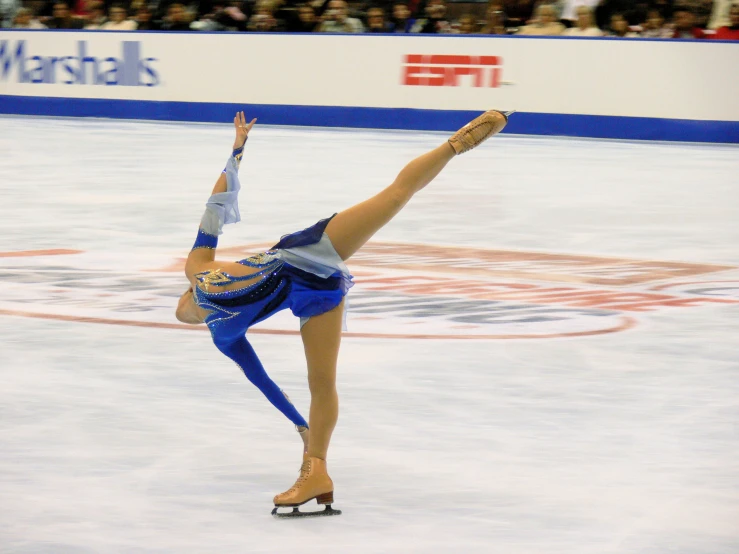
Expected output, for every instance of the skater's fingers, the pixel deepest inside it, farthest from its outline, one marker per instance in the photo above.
(251, 124)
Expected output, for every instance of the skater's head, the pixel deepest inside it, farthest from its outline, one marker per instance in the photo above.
(187, 309)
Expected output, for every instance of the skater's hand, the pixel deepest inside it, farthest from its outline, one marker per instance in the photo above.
(242, 129)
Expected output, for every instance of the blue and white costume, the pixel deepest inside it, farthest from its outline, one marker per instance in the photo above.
(302, 272)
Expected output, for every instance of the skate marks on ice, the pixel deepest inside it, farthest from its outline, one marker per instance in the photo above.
(402, 291)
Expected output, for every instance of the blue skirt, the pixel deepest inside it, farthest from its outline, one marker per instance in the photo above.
(319, 279)
(306, 237)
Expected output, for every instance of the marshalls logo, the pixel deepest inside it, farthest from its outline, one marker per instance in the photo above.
(131, 69)
(427, 70)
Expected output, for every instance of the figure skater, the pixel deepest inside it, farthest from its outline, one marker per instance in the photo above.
(305, 272)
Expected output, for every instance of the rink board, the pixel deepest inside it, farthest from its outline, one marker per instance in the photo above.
(605, 88)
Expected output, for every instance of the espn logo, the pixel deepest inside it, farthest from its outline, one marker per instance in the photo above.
(426, 70)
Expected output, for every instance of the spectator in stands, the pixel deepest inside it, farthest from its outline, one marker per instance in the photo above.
(177, 18)
(82, 8)
(654, 26)
(337, 20)
(495, 22)
(620, 27)
(62, 18)
(376, 21)
(435, 19)
(225, 16)
(144, 19)
(571, 15)
(209, 19)
(118, 20)
(702, 12)
(467, 24)
(585, 26)
(664, 7)
(402, 21)
(606, 8)
(95, 15)
(24, 19)
(545, 24)
(684, 22)
(263, 19)
(730, 32)
(8, 9)
(516, 12)
(720, 15)
(306, 21)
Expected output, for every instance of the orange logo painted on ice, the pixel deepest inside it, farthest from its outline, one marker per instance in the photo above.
(402, 291)
(441, 70)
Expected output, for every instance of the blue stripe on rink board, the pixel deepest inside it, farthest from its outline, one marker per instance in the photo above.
(596, 126)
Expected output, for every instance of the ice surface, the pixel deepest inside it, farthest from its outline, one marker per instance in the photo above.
(120, 438)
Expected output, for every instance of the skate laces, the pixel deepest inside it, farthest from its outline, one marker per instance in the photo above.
(302, 478)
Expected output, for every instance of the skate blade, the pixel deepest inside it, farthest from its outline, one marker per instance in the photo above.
(296, 513)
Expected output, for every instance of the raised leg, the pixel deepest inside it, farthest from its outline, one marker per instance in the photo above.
(352, 228)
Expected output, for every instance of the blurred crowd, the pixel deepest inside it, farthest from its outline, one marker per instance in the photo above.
(694, 19)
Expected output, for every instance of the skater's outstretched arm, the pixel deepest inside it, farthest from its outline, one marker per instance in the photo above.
(243, 354)
(222, 206)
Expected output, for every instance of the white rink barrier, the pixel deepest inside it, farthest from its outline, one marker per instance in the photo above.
(614, 88)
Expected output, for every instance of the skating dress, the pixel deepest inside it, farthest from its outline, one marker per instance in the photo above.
(302, 272)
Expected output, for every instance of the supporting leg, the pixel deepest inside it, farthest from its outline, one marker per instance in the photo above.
(321, 340)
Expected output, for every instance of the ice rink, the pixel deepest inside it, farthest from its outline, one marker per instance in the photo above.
(542, 352)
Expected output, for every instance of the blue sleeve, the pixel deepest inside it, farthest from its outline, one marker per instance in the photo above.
(243, 354)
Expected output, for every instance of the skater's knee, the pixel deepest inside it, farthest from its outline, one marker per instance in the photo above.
(322, 384)
(398, 196)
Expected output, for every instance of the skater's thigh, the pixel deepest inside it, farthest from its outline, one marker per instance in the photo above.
(321, 340)
(350, 229)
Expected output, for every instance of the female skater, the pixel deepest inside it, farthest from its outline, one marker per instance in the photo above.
(305, 272)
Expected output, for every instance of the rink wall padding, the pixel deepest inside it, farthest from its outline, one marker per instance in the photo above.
(603, 88)
(608, 127)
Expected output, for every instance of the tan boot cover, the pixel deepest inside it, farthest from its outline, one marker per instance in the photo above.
(313, 482)
(478, 131)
